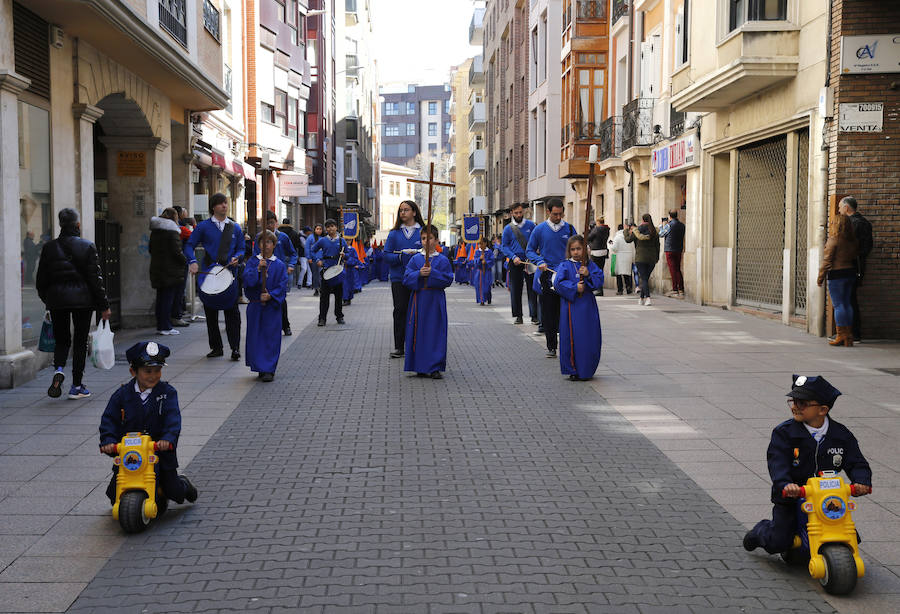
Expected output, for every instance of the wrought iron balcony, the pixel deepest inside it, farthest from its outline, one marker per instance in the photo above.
(587, 131)
(173, 19)
(637, 123)
(610, 137)
(619, 9)
(676, 122)
(592, 10)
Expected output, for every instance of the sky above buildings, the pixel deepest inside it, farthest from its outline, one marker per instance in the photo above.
(417, 41)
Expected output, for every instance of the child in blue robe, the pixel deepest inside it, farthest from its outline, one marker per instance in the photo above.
(483, 272)
(351, 272)
(460, 264)
(426, 319)
(263, 343)
(580, 337)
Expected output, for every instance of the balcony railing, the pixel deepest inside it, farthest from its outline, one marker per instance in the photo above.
(619, 9)
(477, 161)
(676, 122)
(611, 137)
(173, 19)
(211, 18)
(476, 115)
(637, 123)
(587, 131)
(476, 71)
(590, 10)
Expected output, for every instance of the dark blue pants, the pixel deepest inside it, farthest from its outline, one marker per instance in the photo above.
(840, 290)
(644, 270)
(165, 306)
(517, 278)
(777, 535)
(168, 480)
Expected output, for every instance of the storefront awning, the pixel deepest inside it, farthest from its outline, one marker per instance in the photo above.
(218, 159)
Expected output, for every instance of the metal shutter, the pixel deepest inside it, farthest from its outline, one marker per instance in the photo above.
(32, 50)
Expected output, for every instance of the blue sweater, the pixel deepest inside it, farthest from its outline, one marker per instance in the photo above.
(397, 241)
(548, 247)
(284, 249)
(510, 246)
(208, 235)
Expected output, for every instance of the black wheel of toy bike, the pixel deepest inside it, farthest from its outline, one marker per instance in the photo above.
(131, 511)
(840, 569)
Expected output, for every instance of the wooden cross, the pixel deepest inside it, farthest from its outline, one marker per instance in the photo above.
(430, 183)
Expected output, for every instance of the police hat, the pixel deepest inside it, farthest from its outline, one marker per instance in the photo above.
(813, 388)
(147, 354)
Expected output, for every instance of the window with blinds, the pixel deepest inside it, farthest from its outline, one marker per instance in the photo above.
(32, 50)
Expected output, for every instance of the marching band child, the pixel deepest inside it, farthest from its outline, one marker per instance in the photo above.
(460, 264)
(580, 336)
(482, 272)
(265, 285)
(145, 404)
(426, 319)
(327, 252)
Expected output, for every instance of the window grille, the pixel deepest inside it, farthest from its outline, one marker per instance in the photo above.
(173, 19)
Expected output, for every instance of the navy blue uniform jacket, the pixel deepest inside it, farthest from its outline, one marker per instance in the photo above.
(160, 417)
(837, 451)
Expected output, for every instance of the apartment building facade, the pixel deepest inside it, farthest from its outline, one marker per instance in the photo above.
(415, 121)
(506, 57)
(459, 140)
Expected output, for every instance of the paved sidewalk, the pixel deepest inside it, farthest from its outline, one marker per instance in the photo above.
(56, 530)
(348, 486)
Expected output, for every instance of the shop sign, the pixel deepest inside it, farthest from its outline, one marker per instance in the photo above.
(678, 155)
(313, 196)
(131, 164)
(861, 117)
(293, 184)
(870, 54)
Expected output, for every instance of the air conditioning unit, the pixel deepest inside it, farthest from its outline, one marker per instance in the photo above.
(57, 37)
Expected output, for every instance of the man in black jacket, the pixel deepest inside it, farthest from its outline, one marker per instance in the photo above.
(70, 284)
(673, 232)
(597, 240)
(862, 228)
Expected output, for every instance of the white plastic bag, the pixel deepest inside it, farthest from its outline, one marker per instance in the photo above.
(103, 353)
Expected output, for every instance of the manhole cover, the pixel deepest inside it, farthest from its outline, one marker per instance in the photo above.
(890, 370)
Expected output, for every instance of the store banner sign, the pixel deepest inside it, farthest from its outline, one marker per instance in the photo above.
(875, 53)
(678, 155)
(293, 184)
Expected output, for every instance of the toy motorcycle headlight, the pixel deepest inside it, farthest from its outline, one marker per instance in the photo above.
(808, 507)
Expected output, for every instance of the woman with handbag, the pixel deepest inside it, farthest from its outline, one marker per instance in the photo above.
(70, 284)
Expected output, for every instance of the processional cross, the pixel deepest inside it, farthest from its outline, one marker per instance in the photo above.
(430, 183)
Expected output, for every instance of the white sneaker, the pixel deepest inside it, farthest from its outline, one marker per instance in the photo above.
(647, 301)
(641, 300)
(171, 331)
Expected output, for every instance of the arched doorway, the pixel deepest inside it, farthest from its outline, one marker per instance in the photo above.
(131, 172)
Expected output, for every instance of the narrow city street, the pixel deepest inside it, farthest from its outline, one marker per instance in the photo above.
(348, 486)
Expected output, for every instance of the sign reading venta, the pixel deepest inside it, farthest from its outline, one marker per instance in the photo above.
(293, 184)
(861, 117)
(870, 54)
(676, 156)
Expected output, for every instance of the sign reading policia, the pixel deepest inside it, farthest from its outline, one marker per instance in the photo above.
(471, 228)
(351, 224)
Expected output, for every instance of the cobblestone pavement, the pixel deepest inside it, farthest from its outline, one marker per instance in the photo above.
(348, 486)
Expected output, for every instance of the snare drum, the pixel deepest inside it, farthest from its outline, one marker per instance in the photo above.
(218, 289)
(333, 271)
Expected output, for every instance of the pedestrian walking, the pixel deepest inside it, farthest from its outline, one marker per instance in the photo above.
(167, 267)
(598, 239)
(223, 241)
(303, 279)
(31, 251)
(426, 321)
(547, 248)
(482, 274)
(862, 228)
(70, 284)
(839, 267)
(513, 242)
(315, 275)
(179, 305)
(646, 252)
(673, 232)
(580, 337)
(624, 259)
(498, 262)
(402, 242)
(266, 280)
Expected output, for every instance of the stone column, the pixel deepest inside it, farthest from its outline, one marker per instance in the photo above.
(87, 115)
(16, 363)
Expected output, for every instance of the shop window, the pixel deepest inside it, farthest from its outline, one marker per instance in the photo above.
(281, 111)
(35, 213)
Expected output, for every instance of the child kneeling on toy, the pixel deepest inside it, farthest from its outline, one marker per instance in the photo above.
(798, 450)
(146, 404)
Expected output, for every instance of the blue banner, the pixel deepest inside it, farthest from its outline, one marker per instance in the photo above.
(351, 224)
(471, 228)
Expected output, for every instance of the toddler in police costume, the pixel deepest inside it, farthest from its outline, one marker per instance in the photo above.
(145, 404)
(801, 447)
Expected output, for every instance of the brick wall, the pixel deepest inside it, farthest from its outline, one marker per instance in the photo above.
(867, 165)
